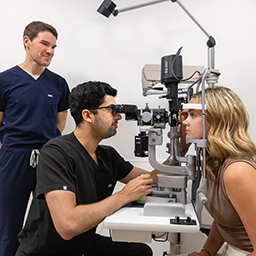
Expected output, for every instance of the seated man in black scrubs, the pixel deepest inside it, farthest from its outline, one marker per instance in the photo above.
(76, 178)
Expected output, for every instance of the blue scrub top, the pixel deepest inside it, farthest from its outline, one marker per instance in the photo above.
(31, 107)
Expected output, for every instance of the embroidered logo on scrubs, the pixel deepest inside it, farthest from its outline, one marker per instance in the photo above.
(110, 185)
(65, 187)
(50, 95)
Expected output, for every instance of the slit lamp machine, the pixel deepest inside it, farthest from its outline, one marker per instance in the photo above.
(169, 196)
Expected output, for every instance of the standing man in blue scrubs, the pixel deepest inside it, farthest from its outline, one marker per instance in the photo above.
(33, 109)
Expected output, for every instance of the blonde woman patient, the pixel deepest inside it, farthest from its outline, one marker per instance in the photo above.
(231, 172)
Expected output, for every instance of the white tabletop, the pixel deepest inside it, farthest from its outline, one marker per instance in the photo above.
(133, 219)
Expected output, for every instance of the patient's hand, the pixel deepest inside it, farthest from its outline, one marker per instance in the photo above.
(203, 253)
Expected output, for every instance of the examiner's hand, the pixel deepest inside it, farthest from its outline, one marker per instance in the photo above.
(138, 187)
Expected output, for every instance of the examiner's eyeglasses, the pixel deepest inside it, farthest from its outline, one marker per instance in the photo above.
(114, 108)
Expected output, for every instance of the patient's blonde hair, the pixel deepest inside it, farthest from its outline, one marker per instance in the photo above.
(228, 135)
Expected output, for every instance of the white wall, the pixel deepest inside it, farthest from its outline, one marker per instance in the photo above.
(92, 47)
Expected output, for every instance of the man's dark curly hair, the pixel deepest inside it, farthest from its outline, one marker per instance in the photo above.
(88, 95)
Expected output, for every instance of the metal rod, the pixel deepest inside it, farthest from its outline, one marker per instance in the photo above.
(160, 1)
(141, 5)
(211, 58)
(197, 23)
(211, 62)
(203, 121)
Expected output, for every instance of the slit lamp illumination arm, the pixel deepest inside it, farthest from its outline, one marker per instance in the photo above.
(108, 7)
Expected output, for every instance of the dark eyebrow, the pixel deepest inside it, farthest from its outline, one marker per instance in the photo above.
(44, 41)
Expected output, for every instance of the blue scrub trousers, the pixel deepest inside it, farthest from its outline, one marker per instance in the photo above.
(17, 180)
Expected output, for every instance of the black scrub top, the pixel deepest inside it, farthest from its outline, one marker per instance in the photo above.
(64, 164)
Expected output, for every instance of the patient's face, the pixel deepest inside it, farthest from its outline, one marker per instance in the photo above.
(193, 123)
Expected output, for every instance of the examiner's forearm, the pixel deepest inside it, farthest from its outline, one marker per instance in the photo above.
(71, 219)
(62, 118)
(86, 217)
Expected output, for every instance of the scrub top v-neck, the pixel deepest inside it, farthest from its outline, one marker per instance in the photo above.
(31, 106)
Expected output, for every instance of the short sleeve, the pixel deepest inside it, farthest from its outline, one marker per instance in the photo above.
(2, 96)
(115, 162)
(64, 102)
(54, 171)
(2, 103)
(124, 167)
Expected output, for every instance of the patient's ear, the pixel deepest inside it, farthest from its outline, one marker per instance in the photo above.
(87, 115)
